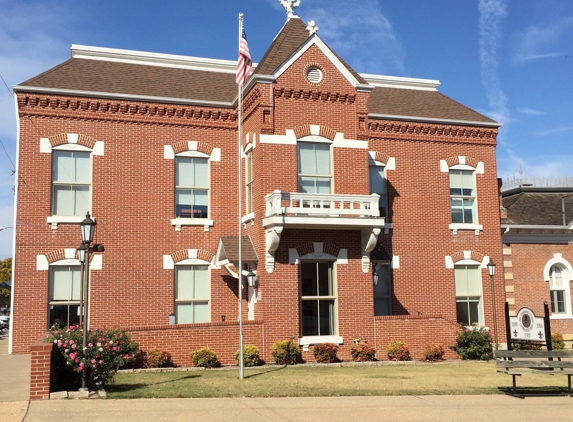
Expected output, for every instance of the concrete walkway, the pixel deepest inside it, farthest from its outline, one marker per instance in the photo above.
(14, 383)
(400, 408)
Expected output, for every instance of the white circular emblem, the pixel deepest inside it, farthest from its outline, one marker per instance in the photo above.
(525, 318)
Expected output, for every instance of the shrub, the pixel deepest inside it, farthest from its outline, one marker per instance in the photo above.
(526, 346)
(362, 352)
(157, 358)
(251, 355)
(204, 357)
(105, 353)
(434, 353)
(285, 352)
(474, 343)
(557, 342)
(398, 350)
(325, 352)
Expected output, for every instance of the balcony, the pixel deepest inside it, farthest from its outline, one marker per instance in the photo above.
(321, 211)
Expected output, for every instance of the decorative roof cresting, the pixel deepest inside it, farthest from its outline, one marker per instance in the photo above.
(289, 6)
(312, 28)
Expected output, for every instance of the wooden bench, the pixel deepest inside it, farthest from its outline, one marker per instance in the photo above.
(518, 362)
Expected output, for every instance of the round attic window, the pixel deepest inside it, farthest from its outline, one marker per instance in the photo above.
(314, 74)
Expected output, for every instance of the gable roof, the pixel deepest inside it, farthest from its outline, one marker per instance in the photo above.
(228, 250)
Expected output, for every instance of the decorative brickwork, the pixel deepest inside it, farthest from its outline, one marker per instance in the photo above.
(454, 161)
(381, 157)
(40, 370)
(460, 256)
(56, 255)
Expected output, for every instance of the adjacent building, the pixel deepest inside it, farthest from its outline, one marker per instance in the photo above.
(370, 202)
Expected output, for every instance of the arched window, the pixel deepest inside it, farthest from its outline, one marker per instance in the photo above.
(558, 282)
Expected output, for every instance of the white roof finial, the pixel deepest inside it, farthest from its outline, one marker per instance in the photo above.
(289, 6)
(311, 28)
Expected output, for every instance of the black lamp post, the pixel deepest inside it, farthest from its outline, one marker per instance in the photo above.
(87, 227)
(491, 271)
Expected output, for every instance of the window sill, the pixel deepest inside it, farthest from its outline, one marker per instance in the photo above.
(561, 316)
(306, 341)
(461, 226)
(54, 220)
(178, 222)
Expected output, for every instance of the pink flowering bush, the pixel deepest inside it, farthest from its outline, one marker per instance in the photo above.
(106, 352)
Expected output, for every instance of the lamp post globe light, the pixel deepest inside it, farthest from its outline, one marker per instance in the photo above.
(491, 272)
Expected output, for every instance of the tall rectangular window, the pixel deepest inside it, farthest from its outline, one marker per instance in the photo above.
(314, 172)
(378, 185)
(249, 177)
(192, 292)
(462, 196)
(191, 187)
(468, 294)
(64, 295)
(557, 290)
(71, 181)
(383, 292)
(318, 297)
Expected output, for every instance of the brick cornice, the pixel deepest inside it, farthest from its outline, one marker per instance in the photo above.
(429, 129)
(104, 109)
(309, 94)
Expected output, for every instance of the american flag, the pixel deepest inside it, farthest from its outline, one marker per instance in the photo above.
(245, 64)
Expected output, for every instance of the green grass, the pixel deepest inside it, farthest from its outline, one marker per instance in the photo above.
(303, 381)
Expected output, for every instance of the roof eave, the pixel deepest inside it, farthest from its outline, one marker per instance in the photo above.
(118, 96)
(376, 116)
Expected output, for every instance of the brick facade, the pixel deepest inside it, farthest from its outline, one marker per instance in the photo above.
(133, 201)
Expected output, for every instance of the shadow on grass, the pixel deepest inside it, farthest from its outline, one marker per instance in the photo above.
(264, 372)
(120, 388)
(535, 391)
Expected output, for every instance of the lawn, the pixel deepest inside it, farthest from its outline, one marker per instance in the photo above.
(460, 377)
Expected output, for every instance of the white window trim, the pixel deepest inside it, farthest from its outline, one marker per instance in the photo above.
(479, 266)
(455, 227)
(317, 140)
(564, 264)
(305, 341)
(55, 219)
(194, 263)
(250, 216)
(207, 223)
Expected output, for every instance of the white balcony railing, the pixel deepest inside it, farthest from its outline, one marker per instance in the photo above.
(308, 204)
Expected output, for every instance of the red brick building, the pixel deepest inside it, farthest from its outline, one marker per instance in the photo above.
(348, 177)
(537, 225)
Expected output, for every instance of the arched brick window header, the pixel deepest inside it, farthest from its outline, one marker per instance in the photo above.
(56, 255)
(63, 139)
(305, 130)
(183, 254)
(183, 146)
(309, 247)
(461, 256)
(454, 161)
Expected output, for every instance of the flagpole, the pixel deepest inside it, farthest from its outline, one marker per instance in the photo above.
(239, 192)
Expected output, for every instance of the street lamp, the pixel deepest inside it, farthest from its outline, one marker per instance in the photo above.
(87, 227)
(491, 271)
(375, 278)
(252, 278)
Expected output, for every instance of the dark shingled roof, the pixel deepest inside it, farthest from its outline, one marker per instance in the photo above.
(417, 103)
(538, 208)
(136, 79)
(230, 244)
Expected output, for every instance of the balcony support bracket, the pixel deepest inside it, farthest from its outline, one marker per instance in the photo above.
(369, 241)
(273, 238)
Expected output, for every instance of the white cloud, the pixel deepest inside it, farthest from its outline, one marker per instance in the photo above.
(538, 167)
(554, 130)
(531, 111)
(491, 14)
(537, 42)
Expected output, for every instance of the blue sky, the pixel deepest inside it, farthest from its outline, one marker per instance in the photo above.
(509, 59)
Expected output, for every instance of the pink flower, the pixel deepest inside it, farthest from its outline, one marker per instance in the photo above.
(101, 362)
(94, 366)
(67, 350)
(90, 345)
(101, 349)
(76, 360)
(73, 346)
(111, 342)
(98, 344)
(56, 332)
(93, 361)
(126, 356)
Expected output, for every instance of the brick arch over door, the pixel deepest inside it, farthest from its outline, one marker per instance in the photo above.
(183, 254)
(309, 247)
(325, 132)
(183, 146)
(454, 161)
(460, 256)
(62, 139)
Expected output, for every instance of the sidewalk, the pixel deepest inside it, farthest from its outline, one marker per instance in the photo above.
(14, 383)
(386, 408)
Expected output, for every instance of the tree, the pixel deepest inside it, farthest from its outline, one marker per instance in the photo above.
(5, 275)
